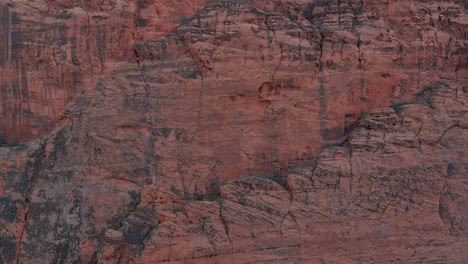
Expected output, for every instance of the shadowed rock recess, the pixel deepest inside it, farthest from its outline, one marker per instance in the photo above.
(235, 131)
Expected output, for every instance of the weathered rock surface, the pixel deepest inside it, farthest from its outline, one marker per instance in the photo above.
(394, 191)
(257, 86)
(52, 50)
(140, 110)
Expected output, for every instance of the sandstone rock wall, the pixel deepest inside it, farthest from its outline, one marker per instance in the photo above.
(133, 115)
(394, 190)
(262, 84)
(52, 50)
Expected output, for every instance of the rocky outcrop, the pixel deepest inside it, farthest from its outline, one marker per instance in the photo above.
(260, 85)
(394, 190)
(52, 50)
(148, 120)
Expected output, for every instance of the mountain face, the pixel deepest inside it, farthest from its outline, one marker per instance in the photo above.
(210, 131)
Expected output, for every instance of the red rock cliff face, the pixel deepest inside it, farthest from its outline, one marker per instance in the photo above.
(259, 86)
(52, 50)
(137, 112)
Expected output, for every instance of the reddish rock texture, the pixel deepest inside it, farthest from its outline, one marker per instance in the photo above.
(259, 86)
(394, 191)
(138, 112)
(52, 50)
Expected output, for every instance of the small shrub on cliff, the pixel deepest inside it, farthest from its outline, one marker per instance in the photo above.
(218, 199)
(13, 143)
(422, 97)
(1, 140)
(185, 20)
(142, 22)
(132, 206)
(396, 106)
(124, 212)
(427, 89)
(214, 191)
(215, 195)
(280, 179)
